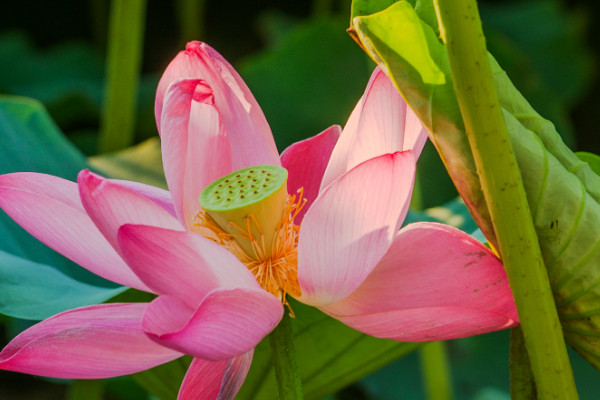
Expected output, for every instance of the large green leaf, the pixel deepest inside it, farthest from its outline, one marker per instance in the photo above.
(35, 291)
(412, 44)
(592, 159)
(562, 191)
(330, 356)
(29, 141)
(140, 163)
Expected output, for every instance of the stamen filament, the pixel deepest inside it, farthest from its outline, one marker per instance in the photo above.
(275, 271)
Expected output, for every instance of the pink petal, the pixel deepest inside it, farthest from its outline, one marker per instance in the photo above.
(434, 283)
(338, 160)
(427, 323)
(351, 225)
(111, 205)
(415, 135)
(195, 146)
(99, 341)
(381, 123)
(182, 264)
(50, 209)
(159, 196)
(250, 135)
(306, 162)
(228, 322)
(215, 380)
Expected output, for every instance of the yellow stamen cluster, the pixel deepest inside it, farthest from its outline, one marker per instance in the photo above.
(275, 271)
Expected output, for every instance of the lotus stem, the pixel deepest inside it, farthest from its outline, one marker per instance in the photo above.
(284, 360)
(125, 43)
(436, 371)
(500, 177)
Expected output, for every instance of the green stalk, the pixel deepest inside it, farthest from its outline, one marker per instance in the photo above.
(502, 186)
(125, 43)
(191, 19)
(284, 360)
(436, 371)
(522, 385)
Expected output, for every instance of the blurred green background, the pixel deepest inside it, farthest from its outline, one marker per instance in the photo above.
(306, 74)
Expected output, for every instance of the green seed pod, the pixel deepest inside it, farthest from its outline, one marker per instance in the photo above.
(247, 197)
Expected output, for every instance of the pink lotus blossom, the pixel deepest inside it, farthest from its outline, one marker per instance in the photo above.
(349, 256)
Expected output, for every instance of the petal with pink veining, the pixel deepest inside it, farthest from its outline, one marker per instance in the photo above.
(228, 322)
(195, 146)
(215, 380)
(415, 135)
(208, 155)
(428, 323)
(250, 136)
(435, 283)
(50, 209)
(111, 205)
(381, 123)
(182, 264)
(338, 160)
(306, 162)
(351, 226)
(160, 196)
(93, 342)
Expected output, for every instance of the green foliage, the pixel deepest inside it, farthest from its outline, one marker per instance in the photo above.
(164, 381)
(140, 163)
(367, 7)
(411, 45)
(86, 390)
(592, 159)
(36, 291)
(540, 45)
(479, 367)
(31, 142)
(563, 192)
(330, 356)
(311, 78)
(67, 74)
(69, 80)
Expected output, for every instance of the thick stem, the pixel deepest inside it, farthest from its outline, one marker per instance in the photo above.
(436, 371)
(501, 182)
(522, 386)
(125, 43)
(284, 360)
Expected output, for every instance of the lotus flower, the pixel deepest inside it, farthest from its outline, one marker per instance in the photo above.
(337, 241)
